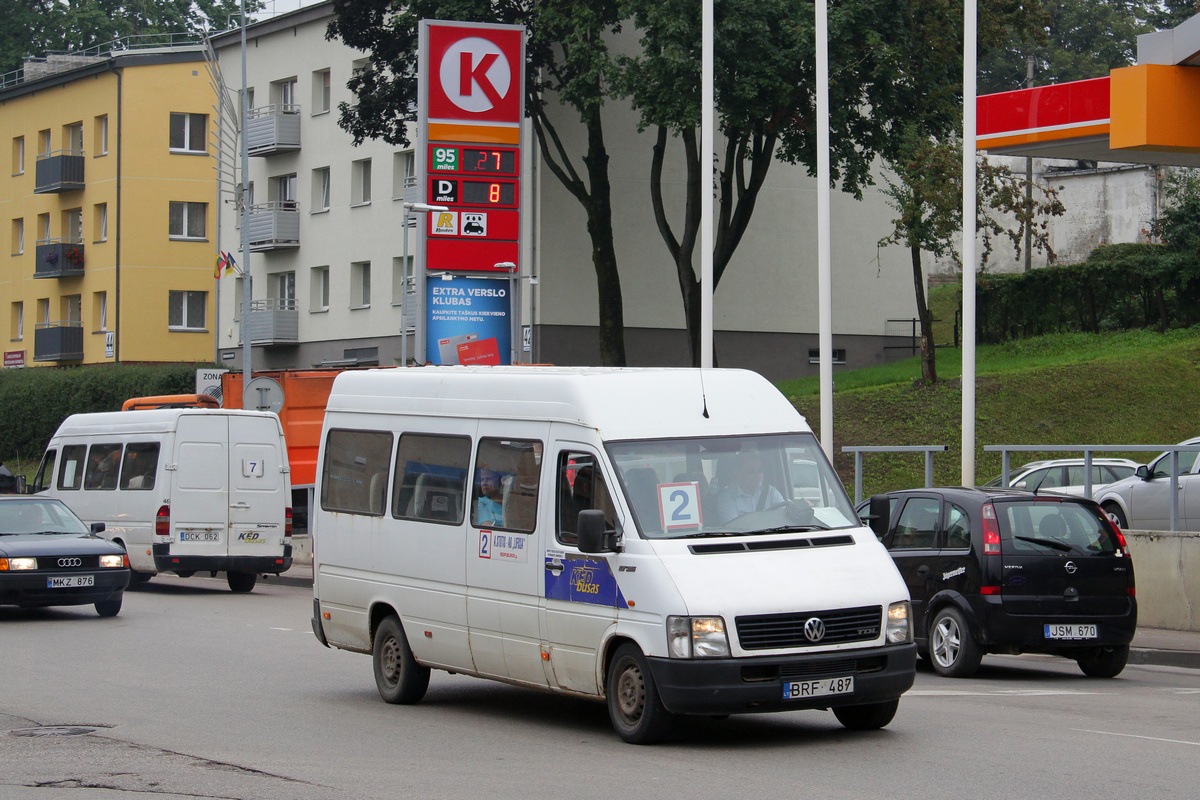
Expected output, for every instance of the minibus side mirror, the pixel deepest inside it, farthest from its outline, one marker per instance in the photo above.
(98, 527)
(880, 516)
(593, 538)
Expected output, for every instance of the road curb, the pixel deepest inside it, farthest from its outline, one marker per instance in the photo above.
(1164, 658)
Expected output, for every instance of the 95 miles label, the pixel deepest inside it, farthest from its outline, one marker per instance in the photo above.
(795, 690)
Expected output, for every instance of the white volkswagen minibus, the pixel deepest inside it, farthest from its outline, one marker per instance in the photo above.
(672, 541)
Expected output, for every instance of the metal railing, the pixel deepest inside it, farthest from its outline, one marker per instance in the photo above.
(1088, 449)
(858, 452)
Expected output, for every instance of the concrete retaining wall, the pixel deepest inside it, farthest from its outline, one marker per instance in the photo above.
(1167, 568)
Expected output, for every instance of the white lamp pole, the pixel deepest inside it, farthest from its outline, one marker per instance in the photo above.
(706, 199)
(824, 268)
(970, 13)
(247, 370)
(419, 208)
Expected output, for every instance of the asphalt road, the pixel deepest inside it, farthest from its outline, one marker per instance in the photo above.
(196, 692)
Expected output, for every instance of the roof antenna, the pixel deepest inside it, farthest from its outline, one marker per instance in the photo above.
(703, 397)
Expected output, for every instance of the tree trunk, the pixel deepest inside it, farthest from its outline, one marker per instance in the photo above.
(928, 353)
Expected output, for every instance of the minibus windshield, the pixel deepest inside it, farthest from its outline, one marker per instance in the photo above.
(731, 485)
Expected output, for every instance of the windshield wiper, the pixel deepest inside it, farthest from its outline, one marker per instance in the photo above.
(1052, 543)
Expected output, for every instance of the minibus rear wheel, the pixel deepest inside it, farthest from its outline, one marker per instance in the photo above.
(636, 710)
(398, 676)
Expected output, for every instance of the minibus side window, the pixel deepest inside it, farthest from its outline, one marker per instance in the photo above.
(45, 473)
(581, 487)
(431, 477)
(70, 471)
(505, 486)
(140, 465)
(103, 462)
(355, 474)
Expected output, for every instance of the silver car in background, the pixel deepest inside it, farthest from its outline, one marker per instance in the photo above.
(1066, 475)
(1143, 502)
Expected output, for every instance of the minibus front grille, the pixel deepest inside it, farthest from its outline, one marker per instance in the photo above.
(776, 631)
(771, 544)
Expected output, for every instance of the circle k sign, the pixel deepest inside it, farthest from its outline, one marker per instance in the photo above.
(475, 73)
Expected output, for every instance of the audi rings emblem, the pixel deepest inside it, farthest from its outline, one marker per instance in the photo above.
(814, 629)
(1071, 568)
(70, 562)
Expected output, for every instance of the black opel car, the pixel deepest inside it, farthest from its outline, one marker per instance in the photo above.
(49, 557)
(1003, 571)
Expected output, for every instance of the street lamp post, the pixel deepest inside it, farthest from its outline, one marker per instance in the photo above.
(419, 208)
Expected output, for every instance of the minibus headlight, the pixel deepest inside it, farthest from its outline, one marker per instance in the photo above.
(697, 637)
(898, 630)
(112, 561)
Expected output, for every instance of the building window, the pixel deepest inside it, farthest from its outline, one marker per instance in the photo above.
(283, 189)
(18, 236)
(320, 189)
(72, 309)
(238, 299)
(401, 273)
(360, 284)
(72, 225)
(43, 227)
(284, 92)
(18, 156)
(100, 311)
(17, 322)
(100, 221)
(284, 289)
(188, 220)
(73, 138)
(319, 289)
(101, 135)
(404, 173)
(839, 356)
(360, 182)
(320, 92)
(185, 311)
(43, 313)
(44, 142)
(189, 133)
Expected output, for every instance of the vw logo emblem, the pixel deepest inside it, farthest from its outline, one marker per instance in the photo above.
(70, 562)
(1071, 568)
(814, 629)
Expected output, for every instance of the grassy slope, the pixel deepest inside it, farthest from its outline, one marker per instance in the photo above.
(1119, 389)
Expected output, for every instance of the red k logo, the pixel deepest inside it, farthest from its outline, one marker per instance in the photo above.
(476, 77)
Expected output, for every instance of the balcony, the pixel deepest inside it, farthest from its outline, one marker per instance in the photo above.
(274, 226)
(274, 321)
(60, 171)
(273, 129)
(58, 258)
(58, 341)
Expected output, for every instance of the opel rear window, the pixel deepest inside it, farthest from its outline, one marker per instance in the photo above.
(1047, 527)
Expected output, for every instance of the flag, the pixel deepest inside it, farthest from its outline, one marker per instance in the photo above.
(220, 263)
(230, 264)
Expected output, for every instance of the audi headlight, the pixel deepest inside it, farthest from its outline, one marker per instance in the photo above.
(898, 630)
(697, 637)
(18, 563)
(112, 561)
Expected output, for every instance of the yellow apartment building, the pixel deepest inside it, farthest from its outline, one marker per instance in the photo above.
(109, 213)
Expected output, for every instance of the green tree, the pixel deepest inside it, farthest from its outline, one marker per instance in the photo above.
(34, 27)
(1078, 39)
(926, 193)
(568, 59)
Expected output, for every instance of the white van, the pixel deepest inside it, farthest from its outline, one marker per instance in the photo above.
(184, 490)
(635, 535)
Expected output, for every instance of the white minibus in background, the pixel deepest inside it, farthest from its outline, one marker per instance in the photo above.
(671, 541)
(184, 490)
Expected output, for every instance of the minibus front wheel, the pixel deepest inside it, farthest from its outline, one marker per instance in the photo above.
(398, 676)
(634, 706)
